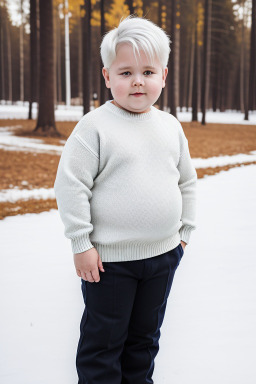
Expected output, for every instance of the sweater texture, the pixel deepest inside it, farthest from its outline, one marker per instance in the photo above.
(126, 185)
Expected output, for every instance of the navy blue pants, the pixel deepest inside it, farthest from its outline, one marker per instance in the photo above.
(120, 326)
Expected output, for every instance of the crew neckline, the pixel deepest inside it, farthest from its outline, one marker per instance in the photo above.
(129, 115)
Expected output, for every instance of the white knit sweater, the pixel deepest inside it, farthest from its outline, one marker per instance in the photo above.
(126, 184)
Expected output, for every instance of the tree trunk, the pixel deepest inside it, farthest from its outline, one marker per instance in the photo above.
(191, 72)
(21, 53)
(55, 17)
(173, 91)
(2, 53)
(67, 55)
(9, 55)
(215, 92)
(206, 58)
(79, 64)
(102, 31)
(252, 73)
(195, 79)
(86, 32)
(186, 69)
(161, 98)
(221, 89)
(236, 88)
(46, 121)
(243, 85)
(242, 53)
(246, 72)
(33, 55)
(58, 43)
(131, 7)
(144, 8)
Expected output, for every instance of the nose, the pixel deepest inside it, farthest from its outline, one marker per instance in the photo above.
(138, 81)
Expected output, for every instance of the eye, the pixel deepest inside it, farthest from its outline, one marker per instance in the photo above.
(126, 73)
(147, 73)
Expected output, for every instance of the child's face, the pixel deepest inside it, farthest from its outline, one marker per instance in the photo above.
(134, 86)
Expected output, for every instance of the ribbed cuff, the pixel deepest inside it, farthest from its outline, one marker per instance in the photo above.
(81, 244)
(185, 233)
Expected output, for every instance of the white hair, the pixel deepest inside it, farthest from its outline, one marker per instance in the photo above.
(141, 34)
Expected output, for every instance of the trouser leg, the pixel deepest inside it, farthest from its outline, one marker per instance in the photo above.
(142, 344)
(104, 325)
(120, 327)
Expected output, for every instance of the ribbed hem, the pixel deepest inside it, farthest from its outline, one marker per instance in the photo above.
(185, 233)
(129, 251)
(129, 115)
(81, 244)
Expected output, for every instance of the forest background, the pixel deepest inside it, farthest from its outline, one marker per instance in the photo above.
(212, 63)
(50, 66)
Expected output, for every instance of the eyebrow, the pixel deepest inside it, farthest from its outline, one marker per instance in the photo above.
(128, 67)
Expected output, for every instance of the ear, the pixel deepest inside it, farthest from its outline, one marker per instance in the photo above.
(105, 74)
(165, 72)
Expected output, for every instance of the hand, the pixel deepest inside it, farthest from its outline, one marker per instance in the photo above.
(183, 244)
(87, 265)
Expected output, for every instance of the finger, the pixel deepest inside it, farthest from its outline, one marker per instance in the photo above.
(83, 275)
(89, 277)
(95, 275)
(78, 272)
(100, 265)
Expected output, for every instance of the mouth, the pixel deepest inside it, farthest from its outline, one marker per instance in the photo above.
(137, 94)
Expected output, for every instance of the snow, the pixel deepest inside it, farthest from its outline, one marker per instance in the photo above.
(20, 111)
(10, 142)
(227, 117)
(208, 334)
(74, 113)
(220, 161)
(13, 195)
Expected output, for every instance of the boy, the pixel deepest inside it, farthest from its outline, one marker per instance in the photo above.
(125, 189)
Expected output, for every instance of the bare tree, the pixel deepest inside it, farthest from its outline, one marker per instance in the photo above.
(206, 58)
(252, 73)
(9, 53)
(58, 57)
(2, 52)
(160, 4)
(79, 63)
(195, 76)
(21, 53)
(102, 31)
(243, 67)
(173, 89)
(86, 33)
(46, 121)
(33, 55)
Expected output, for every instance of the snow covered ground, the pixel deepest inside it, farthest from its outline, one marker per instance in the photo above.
(16, 194)
(10, 142)
(209, 333)
(74, 113)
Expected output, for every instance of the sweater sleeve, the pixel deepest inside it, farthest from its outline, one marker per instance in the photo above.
(76, 172)
(187, 185)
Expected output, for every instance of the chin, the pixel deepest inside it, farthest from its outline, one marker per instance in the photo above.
(138, 109)
(133, 109)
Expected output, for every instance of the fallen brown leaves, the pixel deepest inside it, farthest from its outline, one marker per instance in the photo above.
(38, 170)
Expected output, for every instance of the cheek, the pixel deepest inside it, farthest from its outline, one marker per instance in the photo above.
(120, 88)
(156, 87)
